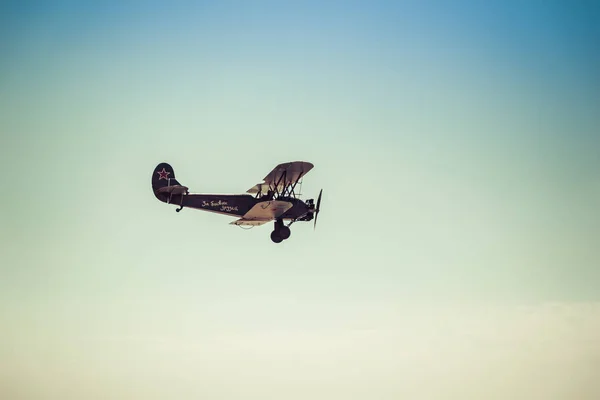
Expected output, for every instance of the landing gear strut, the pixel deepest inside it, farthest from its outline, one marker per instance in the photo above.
(281, 232)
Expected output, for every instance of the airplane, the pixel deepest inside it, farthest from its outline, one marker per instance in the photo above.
(275, 199)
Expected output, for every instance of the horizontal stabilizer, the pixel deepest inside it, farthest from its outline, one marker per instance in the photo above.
(173, 189)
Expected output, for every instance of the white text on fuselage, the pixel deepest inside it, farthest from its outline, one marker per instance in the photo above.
(222, 205)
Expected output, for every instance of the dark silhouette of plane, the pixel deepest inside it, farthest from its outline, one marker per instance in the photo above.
(275, 199)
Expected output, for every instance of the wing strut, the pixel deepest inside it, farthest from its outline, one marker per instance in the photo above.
(283, 176)
(288, 189)
(292, 187)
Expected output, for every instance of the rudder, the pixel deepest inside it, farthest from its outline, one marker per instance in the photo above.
(164, 184)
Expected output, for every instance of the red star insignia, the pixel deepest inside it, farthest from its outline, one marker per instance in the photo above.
(163, 174)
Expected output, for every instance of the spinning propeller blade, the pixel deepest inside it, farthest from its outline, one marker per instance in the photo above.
(317, 208)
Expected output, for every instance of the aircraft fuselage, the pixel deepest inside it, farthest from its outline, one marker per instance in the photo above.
(235, 205)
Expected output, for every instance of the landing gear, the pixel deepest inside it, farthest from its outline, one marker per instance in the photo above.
(275, 237)
(285, 232)
(281, 232)
(183, 191)
(180, 204)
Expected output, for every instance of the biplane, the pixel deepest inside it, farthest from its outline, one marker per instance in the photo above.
(275, 199)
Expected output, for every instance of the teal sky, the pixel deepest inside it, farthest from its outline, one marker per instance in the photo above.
(458, 146)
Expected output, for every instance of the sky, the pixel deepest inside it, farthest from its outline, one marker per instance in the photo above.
(456, 256)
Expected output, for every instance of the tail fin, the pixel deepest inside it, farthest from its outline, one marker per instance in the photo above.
(164, 184)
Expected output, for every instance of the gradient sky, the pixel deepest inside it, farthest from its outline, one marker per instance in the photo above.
(456, 257)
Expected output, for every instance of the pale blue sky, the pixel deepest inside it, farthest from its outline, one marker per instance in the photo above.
(457, 145)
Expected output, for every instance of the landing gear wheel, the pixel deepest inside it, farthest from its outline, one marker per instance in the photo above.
(275, 237)
(284, 232)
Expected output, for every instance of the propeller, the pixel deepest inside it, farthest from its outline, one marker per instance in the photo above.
(317, 208)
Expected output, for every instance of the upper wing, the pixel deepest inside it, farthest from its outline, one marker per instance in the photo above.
(264, 212)
(282, 176)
